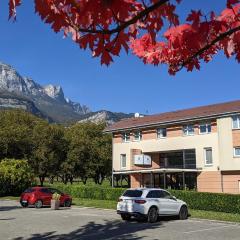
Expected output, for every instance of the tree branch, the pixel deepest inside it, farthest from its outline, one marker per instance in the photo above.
(126, 24)
(208, 46)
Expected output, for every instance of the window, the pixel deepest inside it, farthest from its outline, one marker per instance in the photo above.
(137, 136)
(161, 132)
(208, 156)
(154, 194)
(45, 190)
(53, 190)
(236, 152)
(205, 128)
(132, 193)
(29, 190)
(188, 130)
(126, 137)
(189, 158)
(123, 160)
(236, 122)
(165, 194)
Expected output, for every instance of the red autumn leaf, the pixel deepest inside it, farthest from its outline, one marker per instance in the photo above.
(194, 17)
(106, 58)
(230, 3)
(13, 4)
(106, 27)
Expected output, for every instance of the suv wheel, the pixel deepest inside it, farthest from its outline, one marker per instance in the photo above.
(152, 215)
(125, 216)
(38, 204)
(183, 213)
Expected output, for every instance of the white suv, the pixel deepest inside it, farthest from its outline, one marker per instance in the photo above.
(150, 203)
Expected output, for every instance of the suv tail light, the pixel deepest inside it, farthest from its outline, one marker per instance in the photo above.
(120, 200)
(140, 201)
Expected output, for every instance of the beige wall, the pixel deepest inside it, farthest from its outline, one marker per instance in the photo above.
(236, 137)
(209, 181)
(226, 182)
(225, 132)
(172, 131)
(231, 182)
(198, 142)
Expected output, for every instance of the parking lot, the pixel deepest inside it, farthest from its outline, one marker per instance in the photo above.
(89, 223)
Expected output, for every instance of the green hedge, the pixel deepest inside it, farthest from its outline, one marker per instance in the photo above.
(218, 202)
(91, 192)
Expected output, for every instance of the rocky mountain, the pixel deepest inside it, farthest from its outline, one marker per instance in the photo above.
(48, 101)
(105, 116)
(9, 100)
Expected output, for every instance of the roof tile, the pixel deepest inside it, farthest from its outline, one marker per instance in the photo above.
(168, 117)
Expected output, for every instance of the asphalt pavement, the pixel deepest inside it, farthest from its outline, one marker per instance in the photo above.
(89, 223)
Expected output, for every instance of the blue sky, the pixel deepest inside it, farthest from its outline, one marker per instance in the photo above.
(127, 85)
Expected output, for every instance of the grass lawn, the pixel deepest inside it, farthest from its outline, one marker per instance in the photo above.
(231, 217)
(94, 203)
(220, 216)
(9, 198)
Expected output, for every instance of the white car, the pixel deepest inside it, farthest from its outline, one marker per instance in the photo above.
(150, 203)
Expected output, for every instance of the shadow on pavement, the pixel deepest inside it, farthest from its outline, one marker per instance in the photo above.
(108, 230)
(6, 219)
(8, 208)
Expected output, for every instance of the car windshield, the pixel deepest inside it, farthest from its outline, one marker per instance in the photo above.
(29, 190)
(53, 190)
(133, 193)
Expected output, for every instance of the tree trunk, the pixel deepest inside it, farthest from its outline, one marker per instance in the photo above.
(84, 180)
(51, 180)
(65, 179)
(71, 179)
(41, 179)
(110, 180)
(100, 180)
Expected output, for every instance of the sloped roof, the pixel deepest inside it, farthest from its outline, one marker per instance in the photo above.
(176, 116)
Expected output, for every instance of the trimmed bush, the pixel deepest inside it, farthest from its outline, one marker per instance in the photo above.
(218, 202)
(91, 192)
(15, 177)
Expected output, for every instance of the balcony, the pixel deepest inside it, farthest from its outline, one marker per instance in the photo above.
(185, 159)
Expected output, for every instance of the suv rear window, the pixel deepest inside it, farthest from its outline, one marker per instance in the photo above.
(133, 193)
(29, 190)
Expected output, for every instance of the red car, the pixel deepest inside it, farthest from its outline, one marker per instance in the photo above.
(41, 196)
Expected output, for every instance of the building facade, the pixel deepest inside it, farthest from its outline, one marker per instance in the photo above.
(196, 148)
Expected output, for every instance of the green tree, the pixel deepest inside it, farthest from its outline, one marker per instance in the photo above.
(49, 150)
(89, 152)
(101, 161)
(16, 128)
(15, 176)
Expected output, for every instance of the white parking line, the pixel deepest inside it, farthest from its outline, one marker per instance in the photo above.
(209, 229)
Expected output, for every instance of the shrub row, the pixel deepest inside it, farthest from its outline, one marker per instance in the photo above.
(91, 192)
(218, 202)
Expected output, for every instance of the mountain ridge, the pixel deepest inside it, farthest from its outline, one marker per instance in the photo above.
(47, 101)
